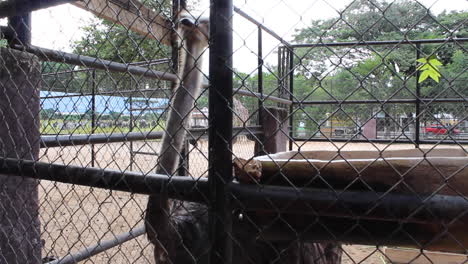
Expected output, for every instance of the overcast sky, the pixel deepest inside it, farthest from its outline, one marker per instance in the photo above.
(58, 27)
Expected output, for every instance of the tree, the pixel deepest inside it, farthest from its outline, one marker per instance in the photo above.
(109, 41)
(382, 72)
(46, 114)
(59, 77)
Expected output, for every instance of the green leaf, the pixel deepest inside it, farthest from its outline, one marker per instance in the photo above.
(422, 60)
(429, 68)
(423, 76)
(424, 67)
(435, 62)
(436, 73)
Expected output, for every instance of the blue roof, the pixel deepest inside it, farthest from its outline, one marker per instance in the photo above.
(104, 104)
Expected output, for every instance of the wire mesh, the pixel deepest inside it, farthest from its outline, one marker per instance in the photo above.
(343, 139)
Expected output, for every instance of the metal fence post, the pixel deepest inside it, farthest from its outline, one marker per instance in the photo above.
(291, 97)
(259, 148)
(184, 160)
(275, 129)
(21, 28)
(131, 126)
(260, 72)
(93, 114)
(220, 130)
(418, 100)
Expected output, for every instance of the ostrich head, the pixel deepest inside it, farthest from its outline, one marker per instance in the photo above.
(194, 30)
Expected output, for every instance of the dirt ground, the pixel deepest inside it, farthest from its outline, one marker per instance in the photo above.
(75, 217)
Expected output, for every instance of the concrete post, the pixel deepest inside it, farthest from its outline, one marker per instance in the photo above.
(20, 75)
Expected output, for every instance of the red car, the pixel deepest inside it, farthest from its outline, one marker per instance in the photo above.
(441, 130)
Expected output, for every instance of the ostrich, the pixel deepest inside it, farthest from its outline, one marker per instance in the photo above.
(161, 230)
(179, 231)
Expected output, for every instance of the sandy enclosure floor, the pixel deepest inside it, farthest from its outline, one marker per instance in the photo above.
(75, 217)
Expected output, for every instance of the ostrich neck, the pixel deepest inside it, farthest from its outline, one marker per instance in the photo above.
(191, 71)
(159, 229)
(181, 106)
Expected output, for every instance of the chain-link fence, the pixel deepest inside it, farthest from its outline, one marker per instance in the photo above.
(274, 132)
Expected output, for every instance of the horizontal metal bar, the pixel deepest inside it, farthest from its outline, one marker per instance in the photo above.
(65, 72)
(177, 187)
(81, 60)
(389, 101)
(146, 153)
(349, 204)
(359, 205)
(87, 61)
(262, 96)
(378, 42)
(147, 108)
(116, 93)
(444, 100)
(18, 7)
(151, 62)
(146, 63)
(102, 246)
(333, 102)
(261, 25)
(85, 139)
(398, 141)
(108, 93)
(359, 231)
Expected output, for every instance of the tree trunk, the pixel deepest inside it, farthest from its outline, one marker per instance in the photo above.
(19, 138)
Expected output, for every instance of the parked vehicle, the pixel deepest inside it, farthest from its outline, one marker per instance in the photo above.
(441, 130)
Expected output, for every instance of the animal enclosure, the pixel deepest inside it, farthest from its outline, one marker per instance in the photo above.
(157, 131)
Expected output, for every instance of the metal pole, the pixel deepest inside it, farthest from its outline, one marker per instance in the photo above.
(262, 26)
(85, 139)
(178, 187)
(380, 43)
(388, 101)
(183, 163)
(260, 73)
(291, 97)
(20, 27)
(418, 101)
(360, 204)
(100, 247)
(285, 76)
(21, 7)
(132, 154)
(392, 141)
(220, 131)
(259, 145)
(87, 61)
(139, 63)
(263, 96)
(93, 114)
(174, 43)
(280, 65)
